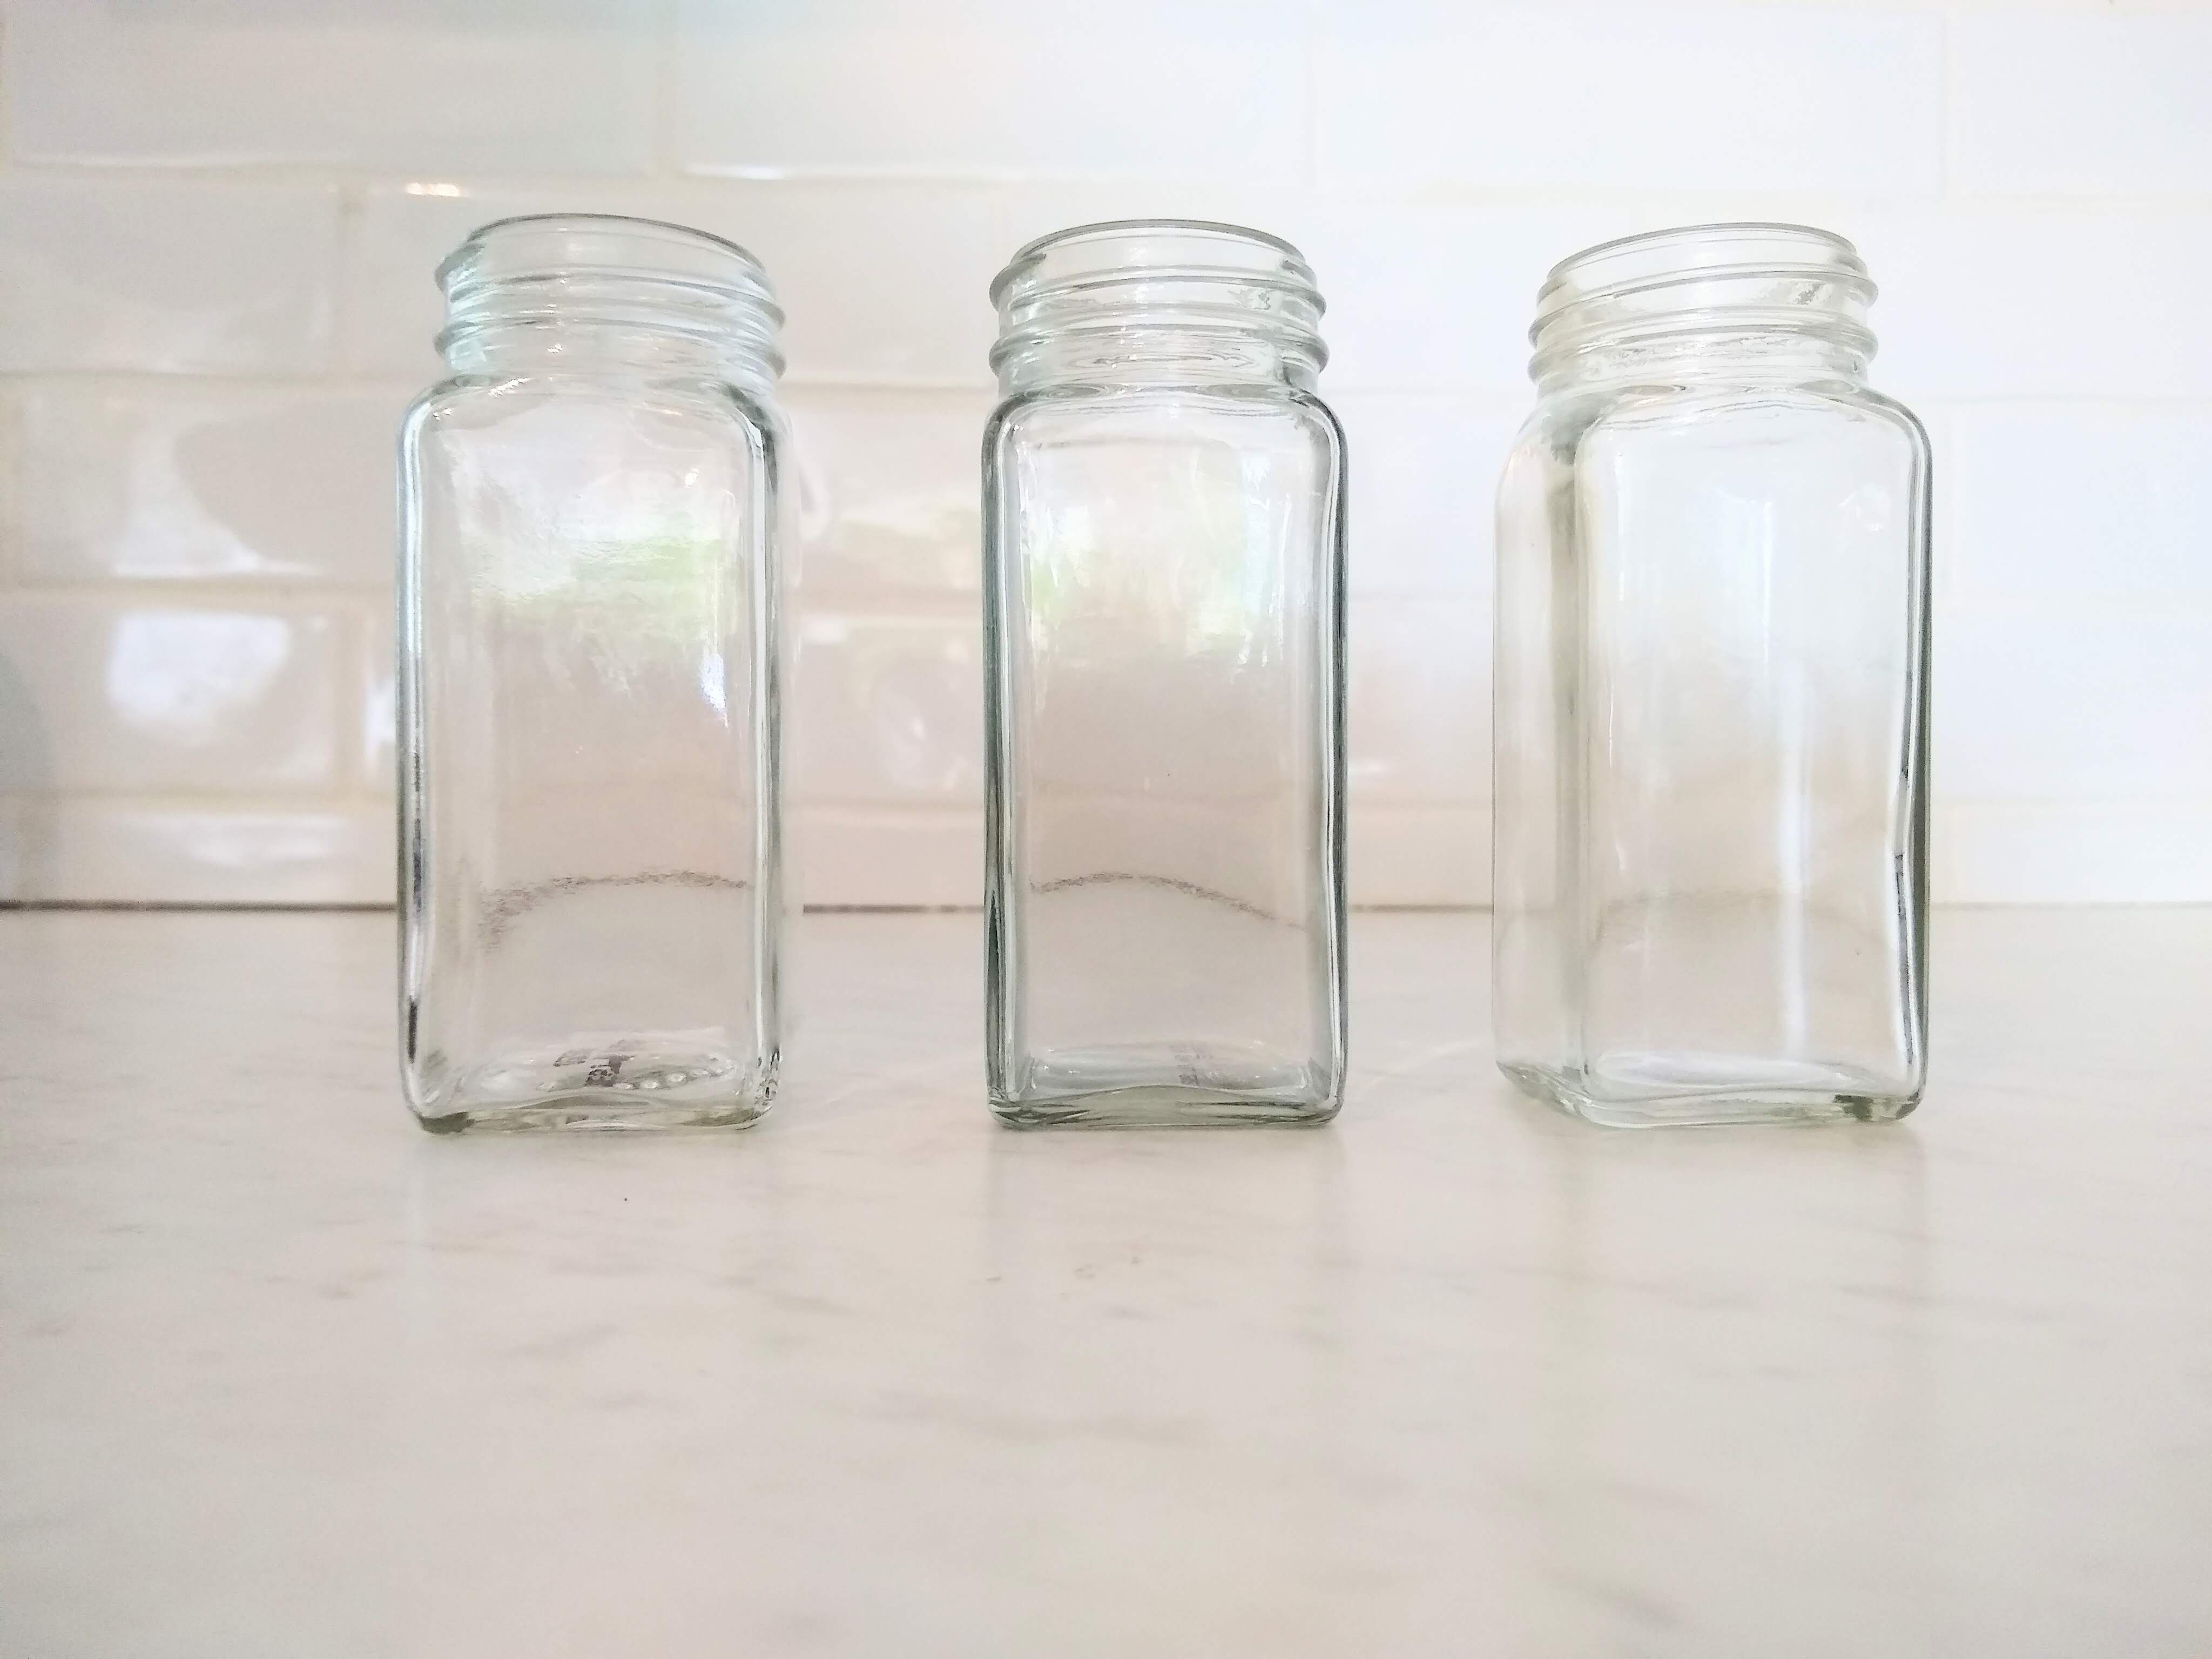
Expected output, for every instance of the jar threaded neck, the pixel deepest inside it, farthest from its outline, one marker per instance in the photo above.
(1666, 291)
(1172, 298)
(662, 293)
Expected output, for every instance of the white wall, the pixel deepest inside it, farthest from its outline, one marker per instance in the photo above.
(218, 218)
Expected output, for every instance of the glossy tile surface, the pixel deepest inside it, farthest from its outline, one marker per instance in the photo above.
(1149, 88)
(119, 694)
(170, 482)
(1454, 1375)
(176, 276)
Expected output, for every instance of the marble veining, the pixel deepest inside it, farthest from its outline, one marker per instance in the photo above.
(281, 1374)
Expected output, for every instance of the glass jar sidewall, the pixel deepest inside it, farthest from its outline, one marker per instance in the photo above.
(713, 418)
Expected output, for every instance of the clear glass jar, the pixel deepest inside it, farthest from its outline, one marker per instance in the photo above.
(1712, 693)
(1163, 548)
(589, 619)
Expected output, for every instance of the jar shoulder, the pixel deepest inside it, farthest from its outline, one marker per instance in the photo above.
(1263, 417)
(1562, 427)
(467, 404)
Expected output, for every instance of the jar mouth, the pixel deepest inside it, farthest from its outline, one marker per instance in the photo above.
(1188, 276)
(583, 270)
(1718, 279)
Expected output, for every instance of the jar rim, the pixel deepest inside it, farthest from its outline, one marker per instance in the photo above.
(1032, 254)
(713, 262)
(542, 273)
(1674, 251)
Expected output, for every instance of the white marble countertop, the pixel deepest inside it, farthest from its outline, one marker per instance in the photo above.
(281, 1375)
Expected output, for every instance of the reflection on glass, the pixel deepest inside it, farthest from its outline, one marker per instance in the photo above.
(1711, 706)
(589, 686)
(1164, 560)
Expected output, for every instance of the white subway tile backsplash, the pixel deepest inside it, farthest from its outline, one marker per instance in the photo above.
(372, 684)
(850, 856)
(888, 710)
(496, 85)
(2037, 302)
(135, 695)
(882, 282)
(2093, 852)
(889, 495)
(176, 480)
(1175, 87)
(60, 849)
(2086, 102)
(1422, 490)
(1436, 292)
(2072, 501)
(172, 276)
(1418, 700)
(219, 222)
(2086, 701)
(1805, 98)
(1419, 855)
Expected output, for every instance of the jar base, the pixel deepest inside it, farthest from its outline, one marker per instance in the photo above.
(1166, 1088)
(624, 1085)
(1649, 1093)
(593, 1113)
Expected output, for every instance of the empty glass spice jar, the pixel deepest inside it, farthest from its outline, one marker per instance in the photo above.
(590, 881)
(1712, 693)
(1163, 513)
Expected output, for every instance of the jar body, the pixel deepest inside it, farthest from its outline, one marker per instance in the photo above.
(1164, 628)
(590, 861)
(1709, 769)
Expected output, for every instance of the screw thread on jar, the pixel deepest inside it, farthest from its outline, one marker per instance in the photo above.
(1730, 294)
(1157, 300)
(601, 291)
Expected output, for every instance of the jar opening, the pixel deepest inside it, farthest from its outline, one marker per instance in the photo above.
(1719, 280)
(1130, 287)
(579, 272)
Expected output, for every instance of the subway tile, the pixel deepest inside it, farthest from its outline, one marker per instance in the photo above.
(890, 493)
(1418, 856)
(2053, 702)
(1418, 701)
(878, 282)
(892, 857)
(885, 282)
(178, 480)
(2088, 102)
(61, 849)
(1436, 291)
(1422, 490)
(1177, 87)
(164, 274)
(513, 85)
(1626, 96)
(2074, 852)
(2039, 301)
(372, 684)
(888, 711)
(2069, 502)
(133, 695)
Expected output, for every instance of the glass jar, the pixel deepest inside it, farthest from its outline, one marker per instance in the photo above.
(1712, 693)
(591, 880)
(1164, 550)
